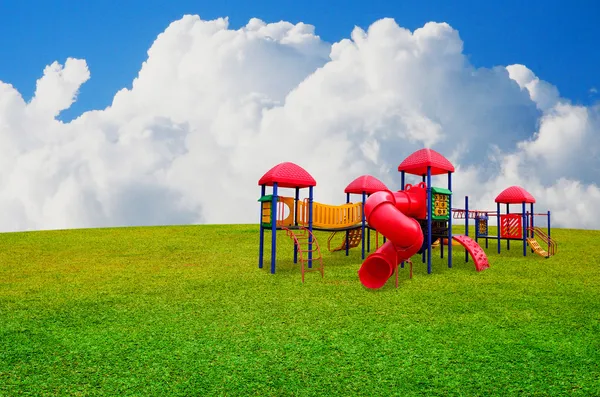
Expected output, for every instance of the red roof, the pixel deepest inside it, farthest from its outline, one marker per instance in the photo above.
(418, 162)
(515, 195)
(287, 175)
(365, 183)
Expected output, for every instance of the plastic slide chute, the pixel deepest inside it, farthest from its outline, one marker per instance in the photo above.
(393, 215)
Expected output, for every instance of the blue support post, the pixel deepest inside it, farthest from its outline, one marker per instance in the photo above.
(429, 215)
(347, 231)
(402, 177)
(548, 231)
(261, 244)
(296, 199)
(507, 240)
(524, 230)
(363, 225)
(368, 229)
(273, 228)
(532, 222)
(310, 224)
(423, 254)
(450, 221)
(498, 219)
(466, 224)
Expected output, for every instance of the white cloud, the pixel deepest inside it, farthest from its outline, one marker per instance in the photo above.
(212, 109)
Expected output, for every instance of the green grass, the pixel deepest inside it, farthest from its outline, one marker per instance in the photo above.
(185, 311)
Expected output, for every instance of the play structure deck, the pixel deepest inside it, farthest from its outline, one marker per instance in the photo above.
(414, 220)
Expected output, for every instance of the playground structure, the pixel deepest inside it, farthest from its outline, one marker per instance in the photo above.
(292, 214)
(512, 226)
(415, 219)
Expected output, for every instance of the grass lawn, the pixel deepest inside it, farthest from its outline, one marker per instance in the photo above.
(185, 311)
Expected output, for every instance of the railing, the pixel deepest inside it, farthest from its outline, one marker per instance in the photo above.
(461, 214)
(550, 242)
(330, 216)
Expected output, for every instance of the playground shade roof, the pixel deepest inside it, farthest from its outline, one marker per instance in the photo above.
(365, 183)
(515, 195)
(287, 175)
(418, 162)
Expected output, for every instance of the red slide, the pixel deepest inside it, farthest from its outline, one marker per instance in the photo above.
(392, 214)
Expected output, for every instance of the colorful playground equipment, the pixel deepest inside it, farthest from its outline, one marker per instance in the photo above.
(413, 220)
(364, 185)
(292, 215)
(512, 226)
(428, 206)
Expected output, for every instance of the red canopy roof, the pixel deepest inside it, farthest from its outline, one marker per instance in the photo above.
(515, 195)
(365, 183)
(287, 175)
(418, 162)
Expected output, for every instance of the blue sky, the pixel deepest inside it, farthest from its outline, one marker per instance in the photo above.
(556, 39)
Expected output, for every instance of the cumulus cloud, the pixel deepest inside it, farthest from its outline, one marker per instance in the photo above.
(213, 108)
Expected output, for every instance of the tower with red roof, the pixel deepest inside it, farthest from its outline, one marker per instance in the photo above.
(427, 163)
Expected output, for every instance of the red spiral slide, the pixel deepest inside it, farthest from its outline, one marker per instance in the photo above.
(392, 214)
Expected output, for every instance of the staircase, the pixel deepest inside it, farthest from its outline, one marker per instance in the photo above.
(354, 239)
(301, 242)
(535, 246)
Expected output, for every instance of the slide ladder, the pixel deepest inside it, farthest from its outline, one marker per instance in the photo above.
(477, 253)
(535, 246)
(301, 241)
(354, 239)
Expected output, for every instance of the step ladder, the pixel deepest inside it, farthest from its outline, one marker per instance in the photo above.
(354, 239)
(546, 240)
(300, 240)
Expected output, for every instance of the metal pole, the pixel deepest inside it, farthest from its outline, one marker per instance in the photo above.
(261, 245)
(296, 198)
(368, 230)
(524, 231)
(548, 231)
(466, 224)
(423, 254)
(450, 221)
(274, 228)
(402, 180)
(347, 231)
(508, 241)
(430, 213)
(498, 219)
(363, 226)
(310, 224)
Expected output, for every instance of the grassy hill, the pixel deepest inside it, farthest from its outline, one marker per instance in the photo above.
(186, 311)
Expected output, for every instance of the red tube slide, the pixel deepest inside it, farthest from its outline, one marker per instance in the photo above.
(392, 214)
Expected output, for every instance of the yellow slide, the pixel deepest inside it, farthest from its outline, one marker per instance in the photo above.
(535, 246)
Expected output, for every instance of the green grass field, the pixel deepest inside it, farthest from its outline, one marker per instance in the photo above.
(158, 311)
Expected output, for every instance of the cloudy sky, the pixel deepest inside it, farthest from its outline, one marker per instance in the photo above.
(213, 107)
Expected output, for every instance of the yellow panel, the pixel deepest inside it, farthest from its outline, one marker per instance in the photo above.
(330, 216)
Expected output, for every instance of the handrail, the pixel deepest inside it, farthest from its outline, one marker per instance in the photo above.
(552, 245)
(461, 213)
(306, 234)
(331, 236)
(330, 216)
